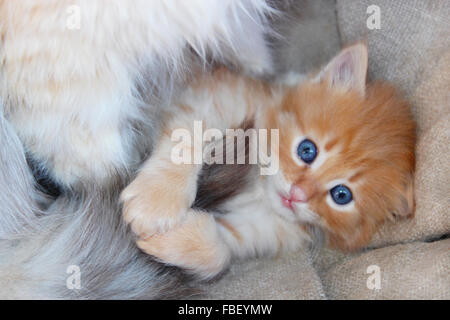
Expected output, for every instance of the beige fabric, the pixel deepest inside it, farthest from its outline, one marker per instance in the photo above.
(310, 36)
(410, 271)
(287, 277)
(412, 49)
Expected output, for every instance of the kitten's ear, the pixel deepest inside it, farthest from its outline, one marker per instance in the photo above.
(348, 69)
(407, 204)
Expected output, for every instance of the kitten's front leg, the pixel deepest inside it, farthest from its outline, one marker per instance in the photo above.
(161, 194)
(194, 245)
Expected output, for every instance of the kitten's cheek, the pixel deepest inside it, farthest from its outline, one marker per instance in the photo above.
(304, 214)
(286, 212)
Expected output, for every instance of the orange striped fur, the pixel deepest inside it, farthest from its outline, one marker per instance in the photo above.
(373, 138)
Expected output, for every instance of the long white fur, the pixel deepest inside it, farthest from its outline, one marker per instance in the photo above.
(71, 93)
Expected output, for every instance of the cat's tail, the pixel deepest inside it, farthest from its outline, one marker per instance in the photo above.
(77, 248)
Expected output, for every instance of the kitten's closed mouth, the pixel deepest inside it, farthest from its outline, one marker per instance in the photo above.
(299, 209)
(287, 202)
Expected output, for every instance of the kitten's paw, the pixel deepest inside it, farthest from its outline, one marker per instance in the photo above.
(194, 245)
(152, 206)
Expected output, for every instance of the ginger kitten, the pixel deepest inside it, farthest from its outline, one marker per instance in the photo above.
(346, 163)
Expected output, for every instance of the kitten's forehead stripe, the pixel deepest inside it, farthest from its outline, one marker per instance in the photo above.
(355, 177)
(330, 145)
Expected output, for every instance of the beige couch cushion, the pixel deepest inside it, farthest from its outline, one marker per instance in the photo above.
(407, 271)
(412, 49)
(289, 276)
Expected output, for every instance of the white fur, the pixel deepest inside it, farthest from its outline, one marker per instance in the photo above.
(71, 93)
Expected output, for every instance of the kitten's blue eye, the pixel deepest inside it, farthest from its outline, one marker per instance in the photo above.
(341, 194)
(307, 151)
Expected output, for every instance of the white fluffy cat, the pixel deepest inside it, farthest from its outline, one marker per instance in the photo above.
(78, 76)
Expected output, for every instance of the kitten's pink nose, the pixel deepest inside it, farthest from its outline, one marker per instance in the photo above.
(298, 194)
